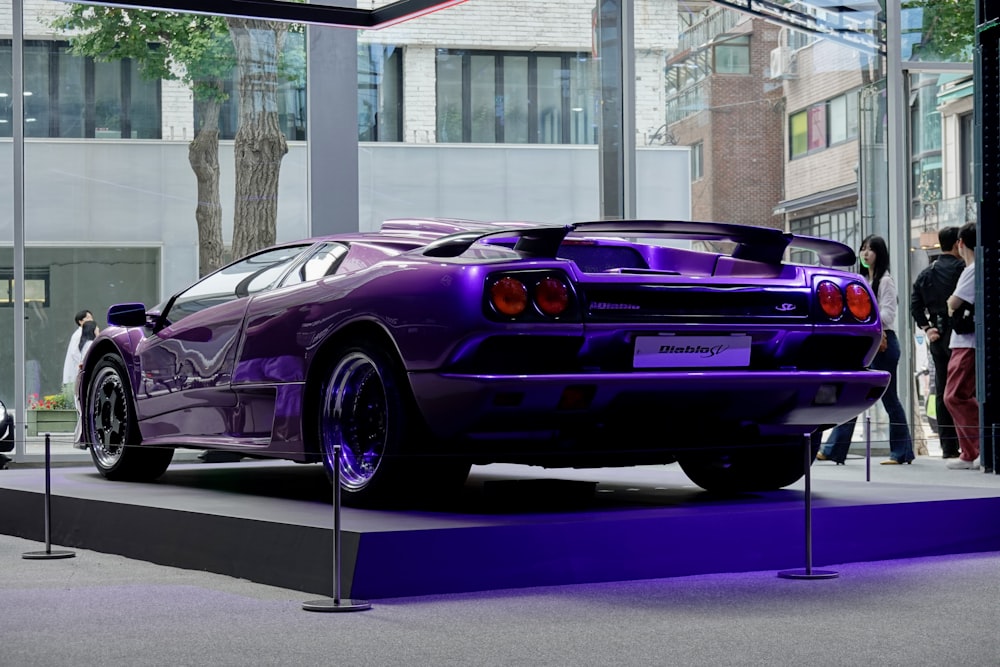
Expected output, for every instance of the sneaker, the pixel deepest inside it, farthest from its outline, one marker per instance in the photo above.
(961, 464)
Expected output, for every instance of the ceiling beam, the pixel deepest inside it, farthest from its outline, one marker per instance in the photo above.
(291, 12)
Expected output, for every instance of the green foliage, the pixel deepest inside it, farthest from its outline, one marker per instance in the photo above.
(948, 28)
(194, 49)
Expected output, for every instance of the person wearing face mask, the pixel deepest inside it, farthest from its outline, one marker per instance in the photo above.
(874, 258)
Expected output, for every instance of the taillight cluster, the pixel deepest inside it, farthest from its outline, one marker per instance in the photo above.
(855, 296)
(521, 295)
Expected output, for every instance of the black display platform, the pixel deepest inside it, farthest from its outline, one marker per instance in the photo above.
(513, 526)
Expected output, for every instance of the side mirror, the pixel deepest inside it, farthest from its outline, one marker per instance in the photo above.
(127, 315)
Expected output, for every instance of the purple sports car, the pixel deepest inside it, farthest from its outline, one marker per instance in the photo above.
(432, 345)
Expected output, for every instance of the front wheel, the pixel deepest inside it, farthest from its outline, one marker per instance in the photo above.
(749, 468)
(367, 411)
(110, 428)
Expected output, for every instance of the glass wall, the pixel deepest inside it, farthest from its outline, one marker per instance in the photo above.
(137, 154)
(138, 160)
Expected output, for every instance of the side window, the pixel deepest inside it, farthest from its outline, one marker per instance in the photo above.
(247, 276)
(323, 262)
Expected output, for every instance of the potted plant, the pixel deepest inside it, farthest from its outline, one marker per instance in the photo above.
(54, 413)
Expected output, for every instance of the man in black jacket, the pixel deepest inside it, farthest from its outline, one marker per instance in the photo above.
(929, 308)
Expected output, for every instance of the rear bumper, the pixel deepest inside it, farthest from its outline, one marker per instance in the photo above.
(557, 407)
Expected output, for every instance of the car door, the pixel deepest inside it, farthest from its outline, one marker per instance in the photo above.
(186, 364)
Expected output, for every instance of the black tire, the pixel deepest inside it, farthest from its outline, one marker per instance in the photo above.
(110, 428)
(366, 408)
(752, 468)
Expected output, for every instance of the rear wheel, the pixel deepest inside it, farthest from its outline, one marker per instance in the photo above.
(742, 469)
(367, 411)
(110, 428)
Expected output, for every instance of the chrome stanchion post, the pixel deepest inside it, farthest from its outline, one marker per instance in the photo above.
(808, 572)
(868, 447)
(336, 604)
(48, 553)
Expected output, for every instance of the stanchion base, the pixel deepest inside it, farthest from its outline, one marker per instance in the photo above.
(47, 555)
(808, 574)
(330, 604)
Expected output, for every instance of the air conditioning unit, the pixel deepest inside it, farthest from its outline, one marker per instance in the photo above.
(783, 64)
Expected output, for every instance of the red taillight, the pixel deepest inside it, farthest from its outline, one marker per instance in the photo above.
(552, 296)
(509, 296)
(859, 302)
(831, 300)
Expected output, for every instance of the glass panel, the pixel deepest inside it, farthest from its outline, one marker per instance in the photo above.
(144, 104)
(583, 100)
(550, 95)
(515, 99)
(838, 119)
(507, 95)
(740, 138)
(107, 100)
(6, 87)
(120, 221)
(390, 119)
(280, 62)
(817, 127)
(937, 31)
(483, 99)
(733, 57)
(36, 89)
(72, 95)
(450, 106)
(799, 124)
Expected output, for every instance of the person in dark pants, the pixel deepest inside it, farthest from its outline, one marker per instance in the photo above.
(929, 308)
(874, 259)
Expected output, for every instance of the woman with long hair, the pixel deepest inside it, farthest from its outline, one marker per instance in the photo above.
(874, 258)
(88, 332)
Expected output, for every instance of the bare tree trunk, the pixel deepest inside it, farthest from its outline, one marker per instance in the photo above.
(203, 154)
(260, 144)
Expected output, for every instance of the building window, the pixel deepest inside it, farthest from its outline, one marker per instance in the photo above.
(817, 127)
(499, 97)
(36, 287)
(733, 56)
(72, 96)
(291, 93)
(799, 130)
(837, 225)
(842, 122)
(823, 124)
(698, 161)
(967, 166)
(380, 92)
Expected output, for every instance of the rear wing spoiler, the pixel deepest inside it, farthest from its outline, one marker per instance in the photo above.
(759, 244)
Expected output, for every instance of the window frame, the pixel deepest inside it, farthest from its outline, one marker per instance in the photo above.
(56, 53)
(565, 128)
(31, 274)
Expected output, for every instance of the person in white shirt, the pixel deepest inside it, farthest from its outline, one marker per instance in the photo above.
(88, 332)
(960, 390)
(71, 364)
(874, 257)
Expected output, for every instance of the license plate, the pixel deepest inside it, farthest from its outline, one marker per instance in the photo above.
(691, 351)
